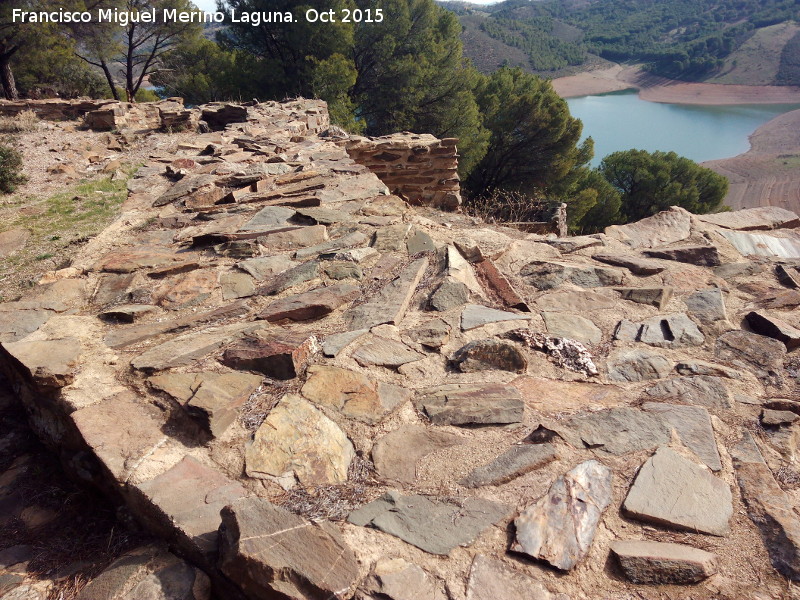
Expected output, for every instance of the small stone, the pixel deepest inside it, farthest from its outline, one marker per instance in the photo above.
(570, 326)
(397, 453)
(432, 334)
(646, 562)
(637, 365)
(670, 331)
(268, 266)
(432, 525)
(776, 418)
(491, 579)
(342, 270)
(707, 306)
(471, 404)
(627, 331)
(391, 238)
(759, 354)
(475, 315)
(635, 264)
(419, 241)
(290, 278)
(490, 354)
(513, 463)
(236, 285)
(673, 491)
(385, 353)
(656, 296)
(775, 328)
(703, 256)
(449, 295)
(297, 441)
(560, 527)
(314, 304)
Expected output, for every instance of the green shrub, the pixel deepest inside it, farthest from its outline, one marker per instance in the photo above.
(10, 169)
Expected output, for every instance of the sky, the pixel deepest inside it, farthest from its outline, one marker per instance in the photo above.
(210, 5)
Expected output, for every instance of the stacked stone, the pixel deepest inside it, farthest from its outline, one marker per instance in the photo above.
(55, 109)
(310, 389)
(419, 168)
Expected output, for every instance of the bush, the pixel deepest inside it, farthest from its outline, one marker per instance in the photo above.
(10, 167)
(22, 122)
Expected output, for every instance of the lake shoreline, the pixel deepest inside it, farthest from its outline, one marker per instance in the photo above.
(659, 89)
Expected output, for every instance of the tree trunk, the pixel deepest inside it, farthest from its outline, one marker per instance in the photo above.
(7, 78)
(110, 79)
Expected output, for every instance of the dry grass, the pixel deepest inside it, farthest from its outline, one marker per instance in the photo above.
(21, 123)
(263, 400)
(509, 207)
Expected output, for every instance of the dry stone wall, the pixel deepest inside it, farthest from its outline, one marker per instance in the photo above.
(310, 389)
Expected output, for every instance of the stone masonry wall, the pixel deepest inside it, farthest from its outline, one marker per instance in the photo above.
(419, 168)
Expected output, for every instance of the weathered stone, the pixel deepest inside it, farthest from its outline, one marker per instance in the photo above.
(635, 264)
(270, 553)
(670, 331)
(419, 241)
(490, 579)
(627, 331)
(336, 342)
(300, 237)
(569, 301)
(637, 365)
(666, 227)
(548, 275)
(770, 509)
(707, 306)
(127, 313)
(282, 356)
(573, 244)
(432, 334)
(434, 526)
(489, 354)
(46, 364)
(342, 270)
(391, 238)
(17, 324)
(128, 261)
(560, 527)
(704, 256)
(268, 266)
(173, 269)
(701, 390)
(314, 304)
(378, 351)
(499, 285)
(297, 441)
(268, 218)
(513, 463)
(391, 303)
(756, 353)
(737, 269)
(470, 404)
(775, 418)
(617, 430)
(656, 296)
(750, 219)
(397, 453)
(396, 579)
(187, 290)
(12, 241)
(449, 294)
(773, 327)
(554, 395)
(663, 563)
(788, 276)
(693, 425)
(352, 394)
(291, 277)
(573, 327)
(699, 367)
(236, 285)
(191, 184)
(475, 315)
(673, 491)
(356, 255)
(333, 247)
(564, 352)
(238, 249)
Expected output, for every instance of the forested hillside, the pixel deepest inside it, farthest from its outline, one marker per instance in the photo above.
(683, 39)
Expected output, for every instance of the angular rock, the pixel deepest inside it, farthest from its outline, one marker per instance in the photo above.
(673, 491)
(703, 256)
(750, 219)
(635, 264)
(449, 295)
(513, 463)
(282, 356)
(46, 364)
(434, 526)
(554, 395)
(637, 365)
(548, 275)
(618, 430)
(335, 246)
(666, 227)
(500, 286)
(670, 331)
(491, 579)
(297, 441)
(569, 301)
(573, 244)
(128, 261)
(391, 303)
(646, 562)
(759, 354)
(16, 324)
(570, 326)
(356, 255)
(774, 418)
(564, 352)
(396, 579)
(419, 241)
(490, 354)
(391, 238)
(397, 453)
(342, 270)
(471, 404)
(693, 425)
(290, 278)
(236, 285)
(336, 342)
(352, 394)
(773, 327)
(314, 304)
(299, 237)
(475, 315)
(655, 296)
(432, 334)
(270, 553)
(707, 306)
(127, 313)
(192, 184)
(269, 217)
(263, 267)
(701, 390)
(699, 367)
(187, 290)
(560, 527)
(378, 351)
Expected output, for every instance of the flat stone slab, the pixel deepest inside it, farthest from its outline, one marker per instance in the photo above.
(637, 365)
(397, 453)
(490, 354)
(574, 327)
(707, 306)
(703, 256)
(693, 425)
(750, 219)
(666, 227)
(635, 264)
(290, 277)
(46, 364)
(471, 404)
(187, 290)
(269, 217)
(396, 579)
(618, 430)
(653, 296)
(355, 238)
(560, 527)
(127, 313)
(336, 342)
(236, 285)
(432, 525)
(262, 268)
(475, 315)
(16, 324)
(378, 351)
(491, 579)
(673, 491)
(297, 441)
(270, 552)
(774, 327)
(128, 261)
(514, 462)
(761, 355)
(352, 394)
(450, 294)
(314, 304)
(646, 562)
(701, 390)
(280, 356)
(431, 334)
(544, 275)
(670, 331)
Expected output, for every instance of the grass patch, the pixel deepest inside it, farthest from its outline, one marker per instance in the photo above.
(20, 123)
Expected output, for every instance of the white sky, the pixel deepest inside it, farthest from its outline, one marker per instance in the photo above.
(210, 5)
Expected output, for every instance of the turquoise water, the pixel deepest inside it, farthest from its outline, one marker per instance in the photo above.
(621, 121)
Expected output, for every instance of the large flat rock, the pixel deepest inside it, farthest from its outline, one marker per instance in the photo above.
(45, 364)
(280, 356)
(491, 579)
(314, 304)
(693, 426)
(663, 563)
(471, 404)
(475, 315)
(397, 453)
(618, 430)
(761, 355)
(666, 227)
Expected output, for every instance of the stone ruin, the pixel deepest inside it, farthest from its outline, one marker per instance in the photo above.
(308, 388)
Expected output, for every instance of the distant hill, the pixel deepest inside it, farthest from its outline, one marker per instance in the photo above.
(725, 41)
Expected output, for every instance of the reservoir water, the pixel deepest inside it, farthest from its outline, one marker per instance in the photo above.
(621, 121)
